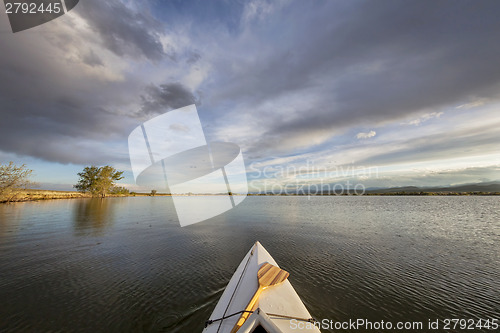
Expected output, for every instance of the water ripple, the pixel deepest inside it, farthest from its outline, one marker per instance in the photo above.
(126, 266)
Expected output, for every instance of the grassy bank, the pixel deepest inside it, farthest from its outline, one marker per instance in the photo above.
(35, 195)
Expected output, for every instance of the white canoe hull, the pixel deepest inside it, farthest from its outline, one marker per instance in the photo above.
(279, 300)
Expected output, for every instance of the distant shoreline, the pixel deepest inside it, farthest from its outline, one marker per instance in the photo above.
(379, 194)
(38, 195)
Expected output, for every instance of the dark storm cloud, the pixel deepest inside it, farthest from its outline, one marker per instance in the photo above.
(193, 57)
(124, 31)
(357, 63)
(50, 108)
(369, 62)
(166, 97)
(92, 59)
(55, 109)
(61, 129)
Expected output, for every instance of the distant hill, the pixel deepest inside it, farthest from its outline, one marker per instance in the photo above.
(490, 188)
(480, 187)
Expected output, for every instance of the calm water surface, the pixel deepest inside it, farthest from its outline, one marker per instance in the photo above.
(125, 264)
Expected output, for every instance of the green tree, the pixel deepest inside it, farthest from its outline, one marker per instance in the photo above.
(98, 180)
(119, 190)
(13, 179)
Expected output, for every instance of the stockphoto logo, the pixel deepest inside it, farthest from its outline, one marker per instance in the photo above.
(26, 14)
(170, 154)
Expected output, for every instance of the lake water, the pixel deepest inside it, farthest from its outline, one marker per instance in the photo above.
(125, 264)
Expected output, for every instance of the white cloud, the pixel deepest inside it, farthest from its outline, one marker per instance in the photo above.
(474, 104)
(424, 118)
(259, 9)
(196, 75)
(368, 135)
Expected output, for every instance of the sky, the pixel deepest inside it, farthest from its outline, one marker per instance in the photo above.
(372, 93)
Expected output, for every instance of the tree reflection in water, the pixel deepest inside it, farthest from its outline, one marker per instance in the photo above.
(93, 216)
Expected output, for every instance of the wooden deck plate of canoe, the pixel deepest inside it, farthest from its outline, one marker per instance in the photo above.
(260, 287)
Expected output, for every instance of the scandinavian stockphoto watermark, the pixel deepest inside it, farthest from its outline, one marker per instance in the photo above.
(364, 324)
(309, 179)
(27, 14)
(170, 154)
